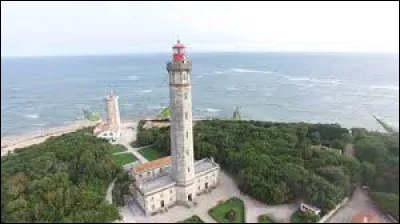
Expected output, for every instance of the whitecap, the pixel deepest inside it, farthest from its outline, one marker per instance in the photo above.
(31, 116)
(145, 91)
(313, 80)
(385, 87)
(39, 124)
(133, 78)
(210, 110)
(155, 107)
(218, 72)
(242, 70)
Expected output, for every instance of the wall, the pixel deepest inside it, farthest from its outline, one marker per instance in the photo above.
(211, 178)
(155, 199)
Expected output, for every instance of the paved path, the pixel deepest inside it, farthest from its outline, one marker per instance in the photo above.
(128, 135)
(359, 202)
(109, 191)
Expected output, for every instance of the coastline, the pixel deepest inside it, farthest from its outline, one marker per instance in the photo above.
(11, 142)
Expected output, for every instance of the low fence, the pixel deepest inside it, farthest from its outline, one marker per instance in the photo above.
(333, 211)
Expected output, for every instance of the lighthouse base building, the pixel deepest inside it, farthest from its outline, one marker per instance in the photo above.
(177, 179)
(156, 190)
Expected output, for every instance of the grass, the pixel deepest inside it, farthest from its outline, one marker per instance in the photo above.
(123, 158)
(193, 219)
(304, 217)
(118, 148)
(219, 212)
(265, 219)
(151, 153)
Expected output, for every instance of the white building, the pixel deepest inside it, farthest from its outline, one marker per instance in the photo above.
(309, 208)
(176, 180)
(112, 129)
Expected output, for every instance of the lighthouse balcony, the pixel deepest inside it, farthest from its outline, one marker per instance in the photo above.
(179, 66)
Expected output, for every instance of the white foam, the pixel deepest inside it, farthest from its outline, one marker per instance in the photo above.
(313, 80)
(386, 87)
(155, 107)
(133, 78)
(39, 124)
(243, 70)
(211, 110)
(145, 91)
(31, 116)
(218, 72)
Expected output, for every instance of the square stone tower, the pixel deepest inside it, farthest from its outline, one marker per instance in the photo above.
(183, 171)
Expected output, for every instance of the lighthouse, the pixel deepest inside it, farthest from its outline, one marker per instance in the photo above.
(179, 71)
(177, 179)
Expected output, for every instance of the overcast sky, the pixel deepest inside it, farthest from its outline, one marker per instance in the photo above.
(76, 28)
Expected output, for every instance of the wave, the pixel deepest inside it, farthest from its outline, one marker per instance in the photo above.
(210, 110)
(313, 80)
(31, 116)
(133, 78)
(231, 88)
(243, 70)
(39, 124)
(218, 72)
(145, 91)
(385, 87)
(155, 107)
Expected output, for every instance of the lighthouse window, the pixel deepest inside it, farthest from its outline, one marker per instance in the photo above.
(188, 169)
(186, 96)
(187, 134)
(186, 115)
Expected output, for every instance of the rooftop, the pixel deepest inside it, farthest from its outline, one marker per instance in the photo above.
(204, 165)
(154, 183)
(153, 164)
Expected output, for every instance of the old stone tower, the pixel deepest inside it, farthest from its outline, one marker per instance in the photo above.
(112, 108)
(179, 71)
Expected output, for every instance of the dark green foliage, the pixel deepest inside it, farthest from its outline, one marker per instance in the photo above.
(388, 202)
(304, 217)
(379, 153)
(265, 219)
(193, 219)
(121, 188)
(229, 211)
(275, 162)
(63, 179)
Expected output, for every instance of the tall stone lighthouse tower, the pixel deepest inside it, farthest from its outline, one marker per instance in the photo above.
(113, 116)
(179, 71)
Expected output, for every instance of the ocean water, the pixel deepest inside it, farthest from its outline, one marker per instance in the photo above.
(348, 89)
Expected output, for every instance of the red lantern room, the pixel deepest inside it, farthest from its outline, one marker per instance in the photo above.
(178, 51)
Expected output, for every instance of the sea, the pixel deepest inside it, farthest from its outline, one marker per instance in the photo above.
(344, 88)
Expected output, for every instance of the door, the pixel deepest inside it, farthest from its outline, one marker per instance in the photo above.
(162, 204)
(206, 185)
(190, 197)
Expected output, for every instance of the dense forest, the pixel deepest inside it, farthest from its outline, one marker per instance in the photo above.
(63, 179)
(379, 156)
(275, 162)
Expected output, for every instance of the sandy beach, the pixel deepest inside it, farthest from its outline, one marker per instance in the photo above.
(11, 142)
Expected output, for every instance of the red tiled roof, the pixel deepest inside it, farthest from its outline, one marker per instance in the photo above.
(153, 164)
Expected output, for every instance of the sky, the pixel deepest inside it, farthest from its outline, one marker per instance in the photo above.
(91, 28)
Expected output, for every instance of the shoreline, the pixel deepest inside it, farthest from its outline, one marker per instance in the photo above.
(11, 142)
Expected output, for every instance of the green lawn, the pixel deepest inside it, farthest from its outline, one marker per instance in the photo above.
(219, 212)
(193, 219)
(151, 153)
(118, 148)
(265, 219)
(123, 158)
(304, 217)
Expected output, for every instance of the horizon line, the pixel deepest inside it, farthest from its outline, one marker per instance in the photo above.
(199, 52)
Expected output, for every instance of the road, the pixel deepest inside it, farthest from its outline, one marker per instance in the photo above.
(358, 203)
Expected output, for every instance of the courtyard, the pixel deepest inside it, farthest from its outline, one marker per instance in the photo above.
(227, 189)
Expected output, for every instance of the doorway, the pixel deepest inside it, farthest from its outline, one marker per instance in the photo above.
(190, 197)
(162, 204)
(206, 185)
